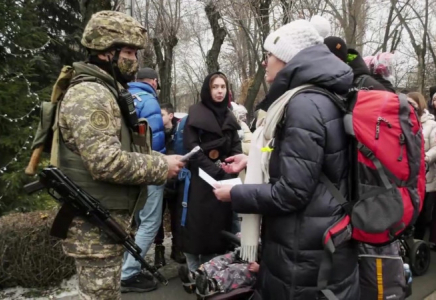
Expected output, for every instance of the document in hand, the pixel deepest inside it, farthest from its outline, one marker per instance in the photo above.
(206, 177)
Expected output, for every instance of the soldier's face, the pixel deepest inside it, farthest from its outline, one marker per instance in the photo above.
(125, 52)
(129, 53)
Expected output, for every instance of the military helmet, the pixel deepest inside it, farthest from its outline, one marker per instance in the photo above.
(108, 28)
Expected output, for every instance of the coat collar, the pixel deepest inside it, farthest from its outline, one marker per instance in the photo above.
(203, 118)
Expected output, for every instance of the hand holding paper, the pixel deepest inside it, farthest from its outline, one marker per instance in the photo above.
(222, 192)
(221, 188)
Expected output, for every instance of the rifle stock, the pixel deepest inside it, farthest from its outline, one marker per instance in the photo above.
(76, 202)
(34, 161)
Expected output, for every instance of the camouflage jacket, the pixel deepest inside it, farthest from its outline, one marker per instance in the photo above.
(90, 124)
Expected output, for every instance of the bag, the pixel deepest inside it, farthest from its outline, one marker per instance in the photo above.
(387, 168)
(386, 175)
(178, 137)
(381, 272)
(44, 135)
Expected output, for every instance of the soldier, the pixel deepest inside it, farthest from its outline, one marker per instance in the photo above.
(95, 149)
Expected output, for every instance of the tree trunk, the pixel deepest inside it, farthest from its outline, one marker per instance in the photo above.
(253, 90)
(420, 51)
(165, 63)
(262, 11)
(219, 34)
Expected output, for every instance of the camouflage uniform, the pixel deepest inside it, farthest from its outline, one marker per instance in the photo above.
(90, 124)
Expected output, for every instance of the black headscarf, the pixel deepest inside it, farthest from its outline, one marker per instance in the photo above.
(219, 109)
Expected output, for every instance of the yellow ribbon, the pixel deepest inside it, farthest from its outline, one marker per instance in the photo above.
(266, 149)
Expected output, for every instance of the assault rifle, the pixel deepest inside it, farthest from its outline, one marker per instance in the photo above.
(76, 202)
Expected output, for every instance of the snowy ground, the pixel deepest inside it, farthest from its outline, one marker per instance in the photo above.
(67, 290)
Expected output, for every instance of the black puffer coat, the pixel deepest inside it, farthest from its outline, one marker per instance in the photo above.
(386, 83)
(361, 71)
(297, 208)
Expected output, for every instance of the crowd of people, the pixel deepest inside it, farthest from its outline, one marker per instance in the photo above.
(295, 208)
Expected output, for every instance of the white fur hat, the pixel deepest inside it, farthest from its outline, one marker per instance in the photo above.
(288, 40)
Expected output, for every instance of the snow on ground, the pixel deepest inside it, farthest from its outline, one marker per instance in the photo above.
(66, 288)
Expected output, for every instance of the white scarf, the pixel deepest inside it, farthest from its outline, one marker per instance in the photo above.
(260, 151)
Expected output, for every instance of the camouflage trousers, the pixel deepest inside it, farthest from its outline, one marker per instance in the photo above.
(229, 273)
(98, 259)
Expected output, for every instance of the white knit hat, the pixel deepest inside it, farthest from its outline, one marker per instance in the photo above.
(322, 25)
(288, 40)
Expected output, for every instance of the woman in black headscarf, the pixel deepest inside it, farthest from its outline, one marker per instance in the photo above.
(213, 127)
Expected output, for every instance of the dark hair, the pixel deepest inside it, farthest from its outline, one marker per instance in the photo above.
(420, 100)
(168, 107)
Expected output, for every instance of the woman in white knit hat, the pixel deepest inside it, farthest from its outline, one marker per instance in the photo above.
(306, 138)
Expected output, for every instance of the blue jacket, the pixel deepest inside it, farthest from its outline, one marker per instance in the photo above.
(148, 107)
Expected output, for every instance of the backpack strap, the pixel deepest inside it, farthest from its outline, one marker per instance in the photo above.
(335, 235)
(88, 78)
(361, 81)
(338, 100)
(185, 175)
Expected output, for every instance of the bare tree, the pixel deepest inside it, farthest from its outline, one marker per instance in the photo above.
(261, 9)
(163, 18)
(253, 35)
(419, 46)
(351, 15)
(219, 34)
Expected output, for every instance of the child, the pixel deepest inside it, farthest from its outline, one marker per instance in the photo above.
(221, 274)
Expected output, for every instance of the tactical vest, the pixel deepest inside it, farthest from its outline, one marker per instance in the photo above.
(112, 196)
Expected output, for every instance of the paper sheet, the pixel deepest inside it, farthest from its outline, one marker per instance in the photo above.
(233, 181)
(206, 177)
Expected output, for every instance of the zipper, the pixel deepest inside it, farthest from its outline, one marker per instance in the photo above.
(377, 127)
(385, 102)
(402, 139)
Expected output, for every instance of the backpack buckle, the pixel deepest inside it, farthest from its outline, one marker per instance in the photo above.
(347, 207)
(365, 150)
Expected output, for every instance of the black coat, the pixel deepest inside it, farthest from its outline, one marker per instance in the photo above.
(360, 69)
(297, 208)
(207, 216)
(386, 83)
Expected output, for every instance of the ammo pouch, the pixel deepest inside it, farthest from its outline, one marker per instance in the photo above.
(141, 141)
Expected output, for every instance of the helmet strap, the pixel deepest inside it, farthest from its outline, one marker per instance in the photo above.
(116, 73)
(113, 63)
